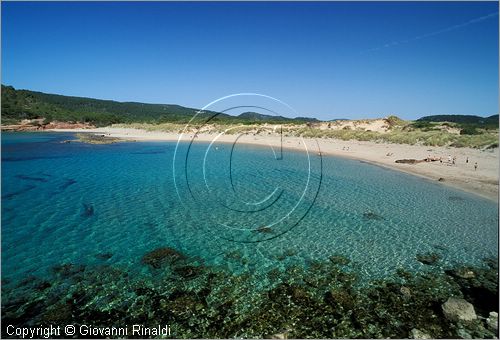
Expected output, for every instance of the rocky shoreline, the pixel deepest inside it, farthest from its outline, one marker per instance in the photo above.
(91, 138)
(324, 300)
(40, 125)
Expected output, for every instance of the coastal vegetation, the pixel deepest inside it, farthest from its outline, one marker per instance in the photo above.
(409, 134)
(405, 132)
(44, 109)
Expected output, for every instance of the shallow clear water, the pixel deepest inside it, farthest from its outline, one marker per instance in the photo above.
(71, 202)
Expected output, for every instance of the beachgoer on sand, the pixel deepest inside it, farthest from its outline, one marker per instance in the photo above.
(467, 160)
(475, 166)
(454, 159)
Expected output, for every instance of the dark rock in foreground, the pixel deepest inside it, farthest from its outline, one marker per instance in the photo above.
(326, 299)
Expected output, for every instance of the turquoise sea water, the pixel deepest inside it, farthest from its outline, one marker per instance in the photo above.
(74, 202)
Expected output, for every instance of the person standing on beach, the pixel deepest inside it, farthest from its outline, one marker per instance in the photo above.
(467, 160)
(475, 166)
(449, 159)
(454, 159)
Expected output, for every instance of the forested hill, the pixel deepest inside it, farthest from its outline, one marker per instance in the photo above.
(464, 119)
(21, 104)
(25, 104)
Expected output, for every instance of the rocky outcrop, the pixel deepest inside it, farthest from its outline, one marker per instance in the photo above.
(492, 321)
(418, 334)
(462, 272)
(456, 309)
(40, 125)
(428, 259)
(67, 125)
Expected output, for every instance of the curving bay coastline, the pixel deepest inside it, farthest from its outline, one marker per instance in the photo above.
(461, 175)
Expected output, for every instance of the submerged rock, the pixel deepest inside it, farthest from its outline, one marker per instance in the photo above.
(88, 210)
(282, 336)
(429, 258)
(456, 309)
(91, 138)
(418, 334)
(372, 216)
(463, 272)
(406, 292)
(104, 256)
(492, 321)
(68, 269)
(263, 230)
(339, 259)
(463, 334)
(58, 314)
(67, 183)
(158, 257)
(32, 178)
(188, 272)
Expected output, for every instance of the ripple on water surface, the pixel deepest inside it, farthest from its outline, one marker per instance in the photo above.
(80, 203)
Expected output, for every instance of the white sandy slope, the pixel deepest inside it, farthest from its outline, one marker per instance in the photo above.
(483, 181)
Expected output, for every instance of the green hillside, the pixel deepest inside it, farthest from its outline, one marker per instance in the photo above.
(25, 104)
(259, 117)
(485, 122)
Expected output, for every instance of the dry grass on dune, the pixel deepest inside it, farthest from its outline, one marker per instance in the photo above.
(393, 130)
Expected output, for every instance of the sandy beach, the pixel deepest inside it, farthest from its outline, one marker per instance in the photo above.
(461, 175)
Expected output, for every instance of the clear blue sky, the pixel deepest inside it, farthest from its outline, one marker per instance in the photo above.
(327, 60)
